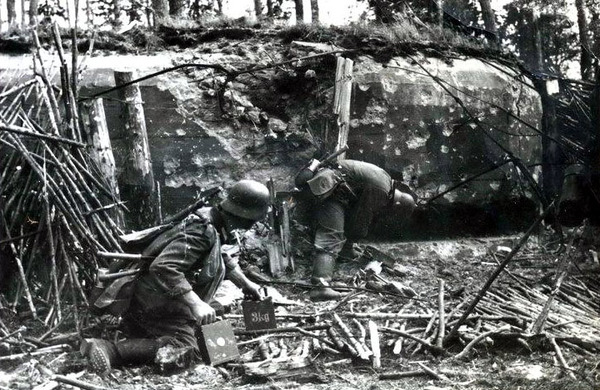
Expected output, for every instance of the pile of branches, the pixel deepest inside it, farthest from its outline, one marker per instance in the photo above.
(55, 209)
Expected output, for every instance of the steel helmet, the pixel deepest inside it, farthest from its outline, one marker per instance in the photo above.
(247, 199)
(404, 202)
(324, 182)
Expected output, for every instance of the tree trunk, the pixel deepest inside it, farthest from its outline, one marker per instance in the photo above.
(489, 17)
(258, 7)
(178, 9)
(596, 30)
(88, 13)
(299, 11)
(440, 13)
(161, 11)
(220, 7)
(33, 12)
(12, 13)
(23, 15)
(269, 8)
(584, 41)
(538, 55)
(314, 10)
(117, 13)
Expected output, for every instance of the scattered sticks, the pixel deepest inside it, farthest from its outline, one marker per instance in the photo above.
(499, 270)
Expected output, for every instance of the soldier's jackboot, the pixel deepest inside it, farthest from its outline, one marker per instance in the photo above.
(104, 355)
(348, 253)
(137, 351)
(323, 266)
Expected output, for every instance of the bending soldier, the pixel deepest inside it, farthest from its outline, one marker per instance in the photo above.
(165, 308)
(350, 197)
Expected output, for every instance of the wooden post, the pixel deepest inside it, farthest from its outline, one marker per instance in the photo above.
(279, 259)
(375, 347)
(342, 99)
(137, 179)
(286, 237)
(100, 149)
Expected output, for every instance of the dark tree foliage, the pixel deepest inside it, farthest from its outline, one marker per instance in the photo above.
(51, 8)
(387, 10)
(559, 41)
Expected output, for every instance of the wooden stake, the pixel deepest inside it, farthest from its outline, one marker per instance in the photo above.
(433, 348)
(562, 270)
(441, 315)
(100, 148)
(20, 268)
(48, 93)
(374, 337)
(561, 358)
(69, 97)
(363, 352)
(53, 272)
(433, 373)
(342, 100)
(138, 176)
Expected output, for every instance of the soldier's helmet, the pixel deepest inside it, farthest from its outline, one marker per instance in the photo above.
(324, 183)
(247, 199)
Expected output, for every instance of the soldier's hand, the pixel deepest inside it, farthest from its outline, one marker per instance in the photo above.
(204, 313)
(253, 291)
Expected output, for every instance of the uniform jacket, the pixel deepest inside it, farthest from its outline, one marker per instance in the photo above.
(187, 257)
(369, 190)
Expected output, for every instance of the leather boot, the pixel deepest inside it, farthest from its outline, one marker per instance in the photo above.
(323, 266)
(136, 351)
(102, 355)
(348, 253)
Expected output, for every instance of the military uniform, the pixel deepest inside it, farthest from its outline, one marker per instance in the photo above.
(363, 191)
(351, 196)
(187, 257)
(171, 294)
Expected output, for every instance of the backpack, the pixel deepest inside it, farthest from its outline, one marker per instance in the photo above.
(114, 296)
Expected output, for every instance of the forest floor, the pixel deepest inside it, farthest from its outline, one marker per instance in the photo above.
(518, 361)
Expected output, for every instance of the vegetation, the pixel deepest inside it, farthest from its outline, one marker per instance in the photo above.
(543, 34)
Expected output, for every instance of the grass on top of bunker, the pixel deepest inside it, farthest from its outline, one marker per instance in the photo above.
(506, 359)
